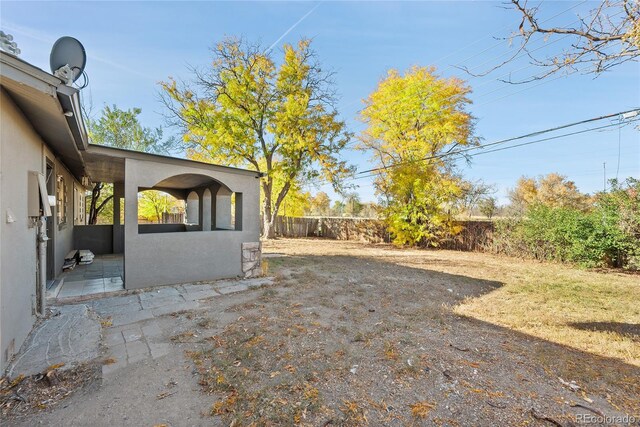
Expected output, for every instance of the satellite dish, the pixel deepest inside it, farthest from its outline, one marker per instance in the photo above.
(67, 59)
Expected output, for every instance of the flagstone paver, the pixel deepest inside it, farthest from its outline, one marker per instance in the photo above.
(118, 330)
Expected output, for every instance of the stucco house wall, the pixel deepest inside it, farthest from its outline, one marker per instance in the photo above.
(20, 152)
(153, 259)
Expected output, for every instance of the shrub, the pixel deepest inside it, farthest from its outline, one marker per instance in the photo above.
(606, 236)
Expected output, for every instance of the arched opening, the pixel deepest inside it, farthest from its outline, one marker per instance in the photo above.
(158, 207)
(207, 204)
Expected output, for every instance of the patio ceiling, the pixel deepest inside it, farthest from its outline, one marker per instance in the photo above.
(186, 181)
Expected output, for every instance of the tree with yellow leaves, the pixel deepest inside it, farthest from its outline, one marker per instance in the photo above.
(249, 111)
(553, 190)
(413, 121)
(152, 204)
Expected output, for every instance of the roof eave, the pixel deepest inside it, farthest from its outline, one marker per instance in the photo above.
(121, 152)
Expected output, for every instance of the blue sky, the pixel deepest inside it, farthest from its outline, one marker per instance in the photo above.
(132, 46)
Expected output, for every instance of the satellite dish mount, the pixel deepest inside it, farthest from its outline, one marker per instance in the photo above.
(68, 59)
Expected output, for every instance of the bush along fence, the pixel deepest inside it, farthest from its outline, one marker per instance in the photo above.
(475, 235)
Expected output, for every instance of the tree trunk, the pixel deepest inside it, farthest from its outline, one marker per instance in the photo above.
(268, 229)
(93, 207)
(269, 214)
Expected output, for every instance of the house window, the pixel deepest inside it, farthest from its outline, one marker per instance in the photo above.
(79, 205)
(61, 196)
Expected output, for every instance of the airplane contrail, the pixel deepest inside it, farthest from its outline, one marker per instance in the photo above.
(291, 28)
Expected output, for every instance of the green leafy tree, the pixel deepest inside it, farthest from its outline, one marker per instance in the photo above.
(352, 204)
(121, 129)
(617, 211)
(608, 235)
(276, 118)
(153, 203)
(488, 206)
(412, 119)
(338, 208)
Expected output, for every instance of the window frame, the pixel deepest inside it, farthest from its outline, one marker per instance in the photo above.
(62, 202)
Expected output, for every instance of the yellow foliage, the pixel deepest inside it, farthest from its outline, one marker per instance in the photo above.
(413, 119)
(553, 190)
(274, 118)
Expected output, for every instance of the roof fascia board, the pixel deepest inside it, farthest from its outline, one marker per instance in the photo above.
(9, 71)
(24, 68)
(137, 155)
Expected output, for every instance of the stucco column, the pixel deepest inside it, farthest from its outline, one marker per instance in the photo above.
(200, 193)
(130, 213)
(223, 209)
(214, 193)
(116, 209)
(205, 208)
(117, 233)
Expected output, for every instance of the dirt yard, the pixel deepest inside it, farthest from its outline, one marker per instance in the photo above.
(357, 334)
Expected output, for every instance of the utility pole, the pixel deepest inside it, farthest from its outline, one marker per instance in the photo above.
(604, 180)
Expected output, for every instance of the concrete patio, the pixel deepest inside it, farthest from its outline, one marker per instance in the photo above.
(103, 276)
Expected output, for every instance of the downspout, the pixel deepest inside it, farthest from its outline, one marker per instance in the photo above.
(42, 265)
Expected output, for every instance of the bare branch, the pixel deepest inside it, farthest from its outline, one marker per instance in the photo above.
(607, 36)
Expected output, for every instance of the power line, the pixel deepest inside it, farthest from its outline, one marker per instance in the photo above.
(373, 172)
(529, 135)
(523, 144)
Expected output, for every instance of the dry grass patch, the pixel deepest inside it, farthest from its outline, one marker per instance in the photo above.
(590, 311)
(26, 395)
(357, 334)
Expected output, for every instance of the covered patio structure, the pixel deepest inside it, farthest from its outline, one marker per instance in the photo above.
(219, 239)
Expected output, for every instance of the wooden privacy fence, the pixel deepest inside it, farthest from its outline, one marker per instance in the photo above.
(362, 229)
(475, 235)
